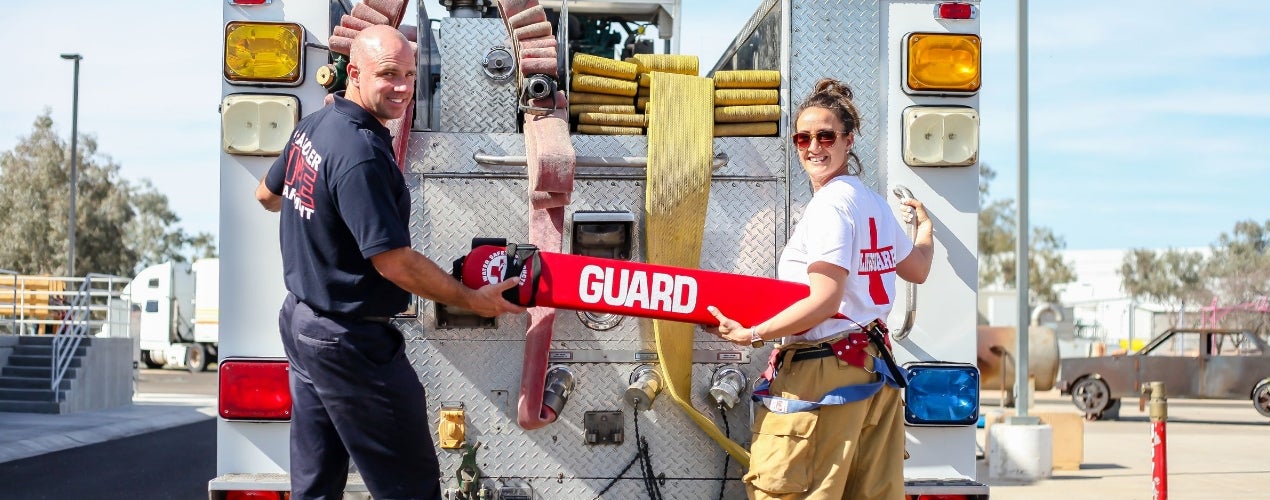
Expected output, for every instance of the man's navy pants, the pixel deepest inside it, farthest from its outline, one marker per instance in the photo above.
(355, 395)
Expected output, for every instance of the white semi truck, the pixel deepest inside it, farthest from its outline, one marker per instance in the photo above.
(915, 68)
(174, 313)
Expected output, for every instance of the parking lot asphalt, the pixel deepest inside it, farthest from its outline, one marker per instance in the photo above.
(1216, 449)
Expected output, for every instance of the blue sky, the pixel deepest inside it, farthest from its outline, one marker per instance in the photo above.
(1149, 122)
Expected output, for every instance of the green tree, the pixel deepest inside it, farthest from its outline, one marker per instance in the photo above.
(31, 240)
(1172, 277)
(997, 242)
(120, 226)
(1240, 271)
(154, 236)
(1240, 265)
(996, 233)
(1236, 273)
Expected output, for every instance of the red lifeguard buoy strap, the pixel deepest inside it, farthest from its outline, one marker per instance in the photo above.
(634, 288)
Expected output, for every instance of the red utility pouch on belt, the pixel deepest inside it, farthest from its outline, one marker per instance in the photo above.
(595, 284)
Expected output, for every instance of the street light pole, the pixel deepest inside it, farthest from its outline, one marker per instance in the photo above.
(74, 162)
(1021, 362)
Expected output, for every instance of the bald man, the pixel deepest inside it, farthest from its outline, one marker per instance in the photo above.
(349, 267)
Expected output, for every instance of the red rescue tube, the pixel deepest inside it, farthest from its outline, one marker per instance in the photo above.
(628, 288)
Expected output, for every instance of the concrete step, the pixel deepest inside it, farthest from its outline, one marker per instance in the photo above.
(31, 407)
(10, 382)
(43, 350)
(47, 340)
(43, 361)
(33, 371)
(30, 395)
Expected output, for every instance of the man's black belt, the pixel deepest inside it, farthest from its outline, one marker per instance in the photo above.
(369, 319)
(331, 314)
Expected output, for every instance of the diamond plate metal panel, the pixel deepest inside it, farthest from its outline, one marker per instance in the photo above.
(746, 194)
(470, 100)
(750, 206)
(852, 37)
(485, 376)
(454, 198)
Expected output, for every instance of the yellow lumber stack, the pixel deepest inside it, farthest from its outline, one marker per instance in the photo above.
(31, 297)
(747, 103)
(602, 98)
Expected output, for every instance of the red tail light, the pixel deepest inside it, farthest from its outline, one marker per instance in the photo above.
(940, 497)
(255, 390)
(955, 10)
(256, 495)
(250, 2)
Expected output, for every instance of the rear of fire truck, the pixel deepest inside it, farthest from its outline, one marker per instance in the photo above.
(915, 69)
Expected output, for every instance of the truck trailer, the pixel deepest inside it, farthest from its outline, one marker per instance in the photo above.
(915, 68)
(174, 313)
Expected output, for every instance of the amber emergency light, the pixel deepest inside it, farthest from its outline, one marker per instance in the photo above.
(264, 53)
(943, 63)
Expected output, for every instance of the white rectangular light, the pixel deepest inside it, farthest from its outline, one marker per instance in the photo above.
(941, 136)
(258, 124)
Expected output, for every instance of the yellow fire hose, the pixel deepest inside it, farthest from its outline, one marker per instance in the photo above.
(680, 152)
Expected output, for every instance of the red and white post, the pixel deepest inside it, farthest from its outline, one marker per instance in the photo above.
(1159, 412)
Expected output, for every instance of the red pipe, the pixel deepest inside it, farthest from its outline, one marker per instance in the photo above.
(1159, 462)
(1159, 450)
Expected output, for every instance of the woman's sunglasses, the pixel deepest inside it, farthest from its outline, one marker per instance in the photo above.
(826, 138)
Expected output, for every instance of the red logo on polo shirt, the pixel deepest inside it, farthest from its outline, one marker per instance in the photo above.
(303, 162)
(874, 262)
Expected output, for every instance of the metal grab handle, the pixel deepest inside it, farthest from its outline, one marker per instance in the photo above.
(562, 49)
(910, 302)
(720, 160)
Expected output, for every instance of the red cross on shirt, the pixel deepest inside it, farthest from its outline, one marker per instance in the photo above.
(874, 262)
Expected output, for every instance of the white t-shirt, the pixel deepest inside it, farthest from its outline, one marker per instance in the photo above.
(850, 226)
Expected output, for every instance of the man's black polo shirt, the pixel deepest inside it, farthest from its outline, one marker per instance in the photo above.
(345, 201)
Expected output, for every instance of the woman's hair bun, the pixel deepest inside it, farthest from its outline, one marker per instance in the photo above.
(833, 87)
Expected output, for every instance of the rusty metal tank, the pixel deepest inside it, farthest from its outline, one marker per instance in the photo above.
(996, 357)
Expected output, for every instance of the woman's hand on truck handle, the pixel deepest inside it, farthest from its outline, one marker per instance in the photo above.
(915, 212)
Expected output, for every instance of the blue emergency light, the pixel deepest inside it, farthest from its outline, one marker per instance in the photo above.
(941, 394)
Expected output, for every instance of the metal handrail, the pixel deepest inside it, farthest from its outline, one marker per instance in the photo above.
(75, 323)
(14, 302)
(67, 339)
(910, 300)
